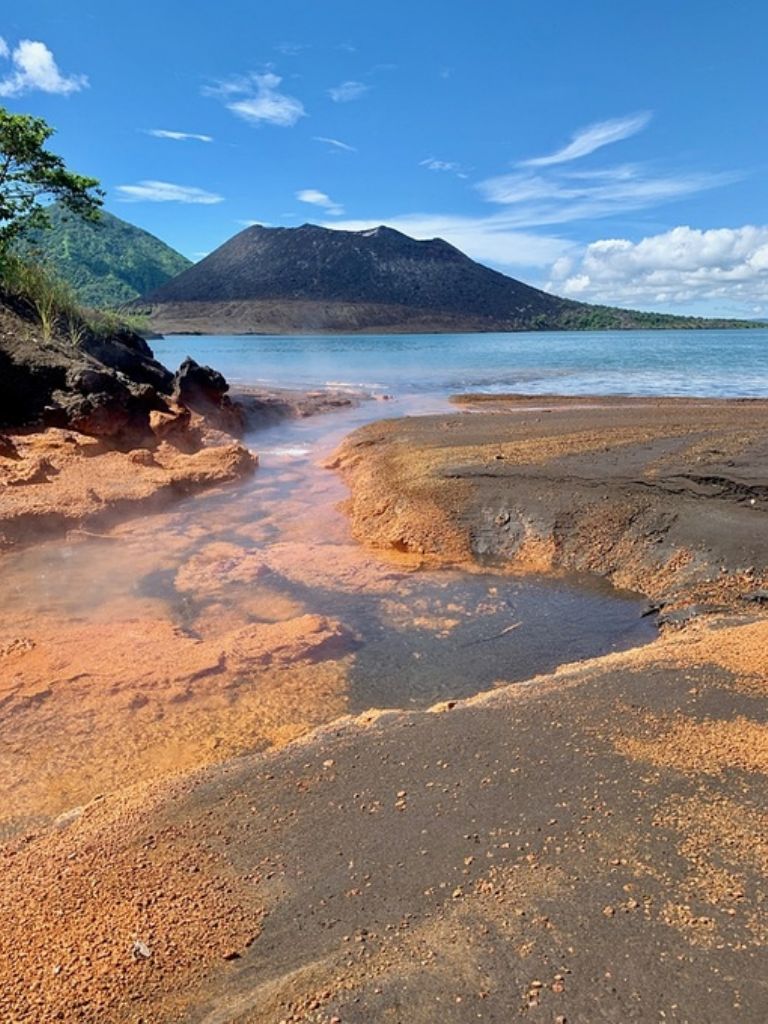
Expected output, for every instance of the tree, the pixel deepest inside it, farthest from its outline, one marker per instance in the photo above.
(30, 175)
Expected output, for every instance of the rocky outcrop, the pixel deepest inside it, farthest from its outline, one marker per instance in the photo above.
(104, 385)
(204, 391)
(95, 429)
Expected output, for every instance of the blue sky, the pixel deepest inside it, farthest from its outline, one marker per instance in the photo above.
(609, 151)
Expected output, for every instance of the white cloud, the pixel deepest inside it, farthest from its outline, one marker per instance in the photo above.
(438, 165)
(593, 137)
(336, 143)
(317, 198)
(675, 268)
(34, 67)
(348, 91)
(443, 165)
(487, 239)
(561, 195)
(558, 198)
(260, 100)
(163, 133)
(166, 192)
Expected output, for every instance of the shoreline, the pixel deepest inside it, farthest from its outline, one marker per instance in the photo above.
(258, 317)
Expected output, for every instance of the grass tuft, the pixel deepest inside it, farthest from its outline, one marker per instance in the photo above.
(55, 305)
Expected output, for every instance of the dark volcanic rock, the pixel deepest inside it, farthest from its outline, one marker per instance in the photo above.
(105, 386)
(194, 384)
(101, 386)
(204, 391)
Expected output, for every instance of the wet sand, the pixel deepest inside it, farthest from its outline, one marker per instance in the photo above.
(664, 496)
(588, 846)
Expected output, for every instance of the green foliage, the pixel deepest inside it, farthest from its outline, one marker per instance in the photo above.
(51, 299)
(30, 175)
(582, 317)
(110, 321)
(55, 304)
(108, 263)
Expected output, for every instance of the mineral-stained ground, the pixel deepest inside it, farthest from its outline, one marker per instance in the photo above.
(586, 846)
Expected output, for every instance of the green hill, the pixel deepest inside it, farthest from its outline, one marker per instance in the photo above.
(107, 263)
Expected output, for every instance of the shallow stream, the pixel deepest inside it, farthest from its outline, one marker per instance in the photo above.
(420, 635)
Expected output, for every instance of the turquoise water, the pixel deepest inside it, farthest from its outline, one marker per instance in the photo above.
(707, 363)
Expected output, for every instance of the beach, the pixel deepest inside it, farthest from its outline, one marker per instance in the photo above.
(553, 849)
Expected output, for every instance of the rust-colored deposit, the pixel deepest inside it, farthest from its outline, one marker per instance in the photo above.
(54, 480)
(586, 846)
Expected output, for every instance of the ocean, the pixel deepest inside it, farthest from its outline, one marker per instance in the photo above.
(726, 364)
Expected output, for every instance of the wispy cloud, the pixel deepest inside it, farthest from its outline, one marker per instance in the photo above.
(291, 49)
(593, 137)
(34, 67)
(507, 240)
(317, 198)
(166, 192)
(449, 166)
(164, 133)
(535, 200)
(336, 143)
(673, 269)
(347, 91)
(257, 99)
(547, 190)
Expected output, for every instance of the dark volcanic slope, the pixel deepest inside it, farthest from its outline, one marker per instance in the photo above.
(381, 266)
(315, 278)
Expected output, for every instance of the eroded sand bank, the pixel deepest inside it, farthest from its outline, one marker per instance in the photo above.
(667, 496)
(588, 846)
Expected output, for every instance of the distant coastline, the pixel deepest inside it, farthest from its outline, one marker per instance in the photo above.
(264, 317)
